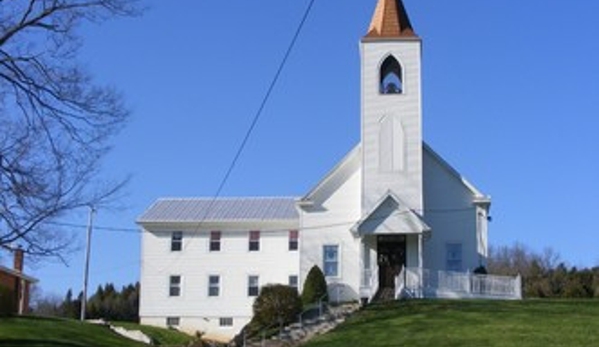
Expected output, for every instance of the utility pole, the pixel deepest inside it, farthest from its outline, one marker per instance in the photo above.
(90, 225)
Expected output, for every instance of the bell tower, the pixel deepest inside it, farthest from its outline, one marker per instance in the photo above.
(391, 114)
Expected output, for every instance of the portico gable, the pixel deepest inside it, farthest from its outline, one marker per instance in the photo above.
(390, 216)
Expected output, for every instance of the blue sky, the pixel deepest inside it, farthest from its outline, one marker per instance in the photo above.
(510, 92)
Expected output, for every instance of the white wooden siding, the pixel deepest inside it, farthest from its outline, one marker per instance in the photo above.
(406, 110)
(336, 208)
(452, 215)
(195, 263)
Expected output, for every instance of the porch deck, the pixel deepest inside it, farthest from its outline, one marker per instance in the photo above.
(423, 283)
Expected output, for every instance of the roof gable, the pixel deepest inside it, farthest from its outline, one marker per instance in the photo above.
(339, 174)
(390, 216)
(478, 195)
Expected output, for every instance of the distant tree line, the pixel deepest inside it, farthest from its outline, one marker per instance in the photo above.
(544, 274)
(106, 303)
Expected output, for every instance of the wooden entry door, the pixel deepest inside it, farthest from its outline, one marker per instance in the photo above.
(391, 251)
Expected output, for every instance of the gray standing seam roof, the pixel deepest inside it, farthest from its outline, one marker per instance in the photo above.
(221, 209)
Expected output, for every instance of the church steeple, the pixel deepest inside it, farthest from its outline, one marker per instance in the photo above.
(391, 108)
(390, 20)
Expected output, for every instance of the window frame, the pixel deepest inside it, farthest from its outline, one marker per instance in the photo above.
(388, 68)
(253, 288)
(337, 261)
(175, 288)
(212, 286)
(290, 282)
(176, 241)
(214, 243)
(173, 321)
(254, 241)
(453, 263)
(293, 240)
(225, 322)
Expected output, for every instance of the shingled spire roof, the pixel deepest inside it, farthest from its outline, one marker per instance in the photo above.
(390, 20)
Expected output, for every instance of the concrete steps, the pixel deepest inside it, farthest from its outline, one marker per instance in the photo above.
(296, 333)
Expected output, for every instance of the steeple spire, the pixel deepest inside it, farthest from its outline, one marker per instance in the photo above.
(390, 20)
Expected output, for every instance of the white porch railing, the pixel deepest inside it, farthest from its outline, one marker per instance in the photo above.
(423, 283)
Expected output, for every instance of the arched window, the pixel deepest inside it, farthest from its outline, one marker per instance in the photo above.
(391, 77)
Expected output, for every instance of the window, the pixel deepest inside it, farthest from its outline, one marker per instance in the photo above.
(174, 288)
(254, 241)
(177, 241)
(226, 322)
(215, 241)
(253, 285)
(293, 240)
(173, 321)
(293, 281)
(331, 260)
(391, 79)
(454, 256)
(213, 285)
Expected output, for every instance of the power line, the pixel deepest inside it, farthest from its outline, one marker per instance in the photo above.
(82, 226)
(263, 103)
(257, 116)
(136, 231)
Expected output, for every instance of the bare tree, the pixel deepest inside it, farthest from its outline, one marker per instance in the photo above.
(55, 123)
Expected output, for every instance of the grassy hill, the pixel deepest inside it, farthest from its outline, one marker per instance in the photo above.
(46, 332)
(535, 323)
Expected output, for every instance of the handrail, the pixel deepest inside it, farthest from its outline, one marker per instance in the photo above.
(311, 307)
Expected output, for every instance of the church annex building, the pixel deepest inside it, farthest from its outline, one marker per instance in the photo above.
(376, 224)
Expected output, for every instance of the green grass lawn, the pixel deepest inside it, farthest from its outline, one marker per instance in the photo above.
(533, 323)
(46, 332)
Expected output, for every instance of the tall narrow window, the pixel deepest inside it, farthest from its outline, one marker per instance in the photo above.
(253, 285)
(293, 240)
(213, 285)
(254, 244)
(391, 77)
(331, 260)
(174, 288)
(215, 241)
(176, 241)
(453, 256)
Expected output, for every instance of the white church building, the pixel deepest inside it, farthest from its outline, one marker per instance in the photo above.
(391, 217)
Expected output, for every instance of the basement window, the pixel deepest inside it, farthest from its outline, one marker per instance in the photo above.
(173, 321)
(226, 322)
